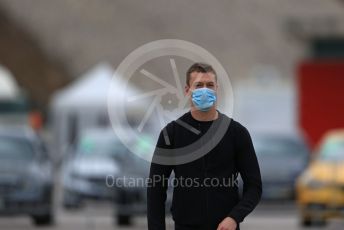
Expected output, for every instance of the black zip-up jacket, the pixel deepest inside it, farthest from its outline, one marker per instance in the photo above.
(199, 204)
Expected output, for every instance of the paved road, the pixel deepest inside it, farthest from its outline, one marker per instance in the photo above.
(99, 217)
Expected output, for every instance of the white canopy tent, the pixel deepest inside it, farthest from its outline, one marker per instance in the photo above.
(83, 105)
(9, 89)
(13, 101)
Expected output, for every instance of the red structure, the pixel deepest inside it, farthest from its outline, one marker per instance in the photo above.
(321, 97)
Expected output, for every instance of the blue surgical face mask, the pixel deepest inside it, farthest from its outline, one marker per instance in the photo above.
(203, 98)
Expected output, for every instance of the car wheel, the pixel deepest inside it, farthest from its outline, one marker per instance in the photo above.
(306, 222)
(43, 220)
(71, 205)
(124, 220)
(309, 222)
(71, 201)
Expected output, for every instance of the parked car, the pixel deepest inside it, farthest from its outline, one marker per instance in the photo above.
(131, 192)
(103, 168)
(282, 158)
(85, 170)
(320, 188)
(26, 175)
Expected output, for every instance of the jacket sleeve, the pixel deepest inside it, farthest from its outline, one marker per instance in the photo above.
(157, 187)
(248, 167)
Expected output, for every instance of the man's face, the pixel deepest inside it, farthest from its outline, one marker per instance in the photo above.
(200, 80)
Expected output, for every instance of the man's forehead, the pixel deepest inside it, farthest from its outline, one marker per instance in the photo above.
(202, 77)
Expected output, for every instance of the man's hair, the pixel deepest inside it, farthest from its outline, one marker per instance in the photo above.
(200, 68)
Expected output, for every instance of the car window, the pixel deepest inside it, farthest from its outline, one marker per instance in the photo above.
(108, 148)
(89, 147)
(332, 151)
(15, 149)
(279, 147)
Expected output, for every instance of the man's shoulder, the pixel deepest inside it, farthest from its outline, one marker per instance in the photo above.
(172, 124)
(183, 118)
(237, 126)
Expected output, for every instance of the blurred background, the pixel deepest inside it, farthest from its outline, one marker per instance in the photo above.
(285, 60)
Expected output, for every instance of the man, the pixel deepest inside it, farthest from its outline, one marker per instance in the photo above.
(200, 205)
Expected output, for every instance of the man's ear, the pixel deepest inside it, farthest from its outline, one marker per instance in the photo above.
(216, 86)
(187, 89)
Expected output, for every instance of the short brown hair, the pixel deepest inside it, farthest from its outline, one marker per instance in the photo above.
(200, 68)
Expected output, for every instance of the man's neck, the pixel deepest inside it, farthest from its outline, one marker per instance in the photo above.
(210, 115)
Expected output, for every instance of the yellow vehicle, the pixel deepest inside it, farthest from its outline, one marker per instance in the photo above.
(320, 188)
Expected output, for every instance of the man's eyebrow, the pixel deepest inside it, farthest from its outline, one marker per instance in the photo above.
(207, 82)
